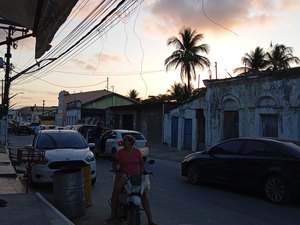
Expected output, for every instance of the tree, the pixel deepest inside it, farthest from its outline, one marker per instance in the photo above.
(280, 57)
(187, 55)
(133, 94)
(161, 98)
(254, 61)
(179, 92)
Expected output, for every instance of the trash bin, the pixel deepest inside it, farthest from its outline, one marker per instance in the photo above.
(68, 190)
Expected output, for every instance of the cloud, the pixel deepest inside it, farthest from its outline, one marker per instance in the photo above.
(208, 15)
(97, 61)
(110, 58)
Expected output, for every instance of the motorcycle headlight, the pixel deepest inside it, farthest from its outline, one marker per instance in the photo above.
(136, 189)
(90, 157)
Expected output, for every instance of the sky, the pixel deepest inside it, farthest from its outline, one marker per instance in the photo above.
(131, 54)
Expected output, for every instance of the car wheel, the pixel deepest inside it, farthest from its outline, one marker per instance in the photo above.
(276, 189)
(193, 174)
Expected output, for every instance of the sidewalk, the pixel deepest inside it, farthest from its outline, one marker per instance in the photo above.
(22, 207)
(162, 151)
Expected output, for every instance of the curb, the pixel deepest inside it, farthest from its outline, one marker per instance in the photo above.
(65, 219)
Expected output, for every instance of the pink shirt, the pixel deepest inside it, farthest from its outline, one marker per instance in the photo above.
(129, 162)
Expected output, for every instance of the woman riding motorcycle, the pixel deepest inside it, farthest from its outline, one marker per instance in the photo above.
(129, 160)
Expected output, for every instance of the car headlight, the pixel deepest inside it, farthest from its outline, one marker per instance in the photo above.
(90, 157)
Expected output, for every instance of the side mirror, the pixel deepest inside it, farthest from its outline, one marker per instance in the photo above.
(92, 145)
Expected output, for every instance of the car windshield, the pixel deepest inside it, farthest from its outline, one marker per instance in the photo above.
(49, 141)
(137, 136)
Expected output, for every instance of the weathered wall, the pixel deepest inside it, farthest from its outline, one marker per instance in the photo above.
(253, 97)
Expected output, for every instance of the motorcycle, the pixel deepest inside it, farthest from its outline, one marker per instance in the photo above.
(129, 204)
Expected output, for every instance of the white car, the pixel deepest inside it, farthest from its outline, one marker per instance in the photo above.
(112, 141)
(63, 149)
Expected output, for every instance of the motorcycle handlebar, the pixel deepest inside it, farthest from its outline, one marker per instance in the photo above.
(121, 171)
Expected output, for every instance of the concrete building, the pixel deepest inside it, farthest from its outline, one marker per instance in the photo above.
(144, 117)
(88, 107)
(265, 104)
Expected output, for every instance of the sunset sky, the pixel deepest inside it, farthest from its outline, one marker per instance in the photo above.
(132, 53)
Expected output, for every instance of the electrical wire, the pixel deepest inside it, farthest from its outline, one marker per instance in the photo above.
(142, 50)
(90, 85)
(86, 39)
(203, 10)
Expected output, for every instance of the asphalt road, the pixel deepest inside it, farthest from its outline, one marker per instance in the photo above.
(176, 202)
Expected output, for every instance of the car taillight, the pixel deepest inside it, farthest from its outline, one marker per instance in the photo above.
(120, 143)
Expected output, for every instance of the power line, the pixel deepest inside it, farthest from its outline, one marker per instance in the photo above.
(111, 19)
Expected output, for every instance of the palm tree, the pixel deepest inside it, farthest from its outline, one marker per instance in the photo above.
(280, 57)
(186, 54)
(161, 98)
(133, 94)
(254, 61)
(179, 92)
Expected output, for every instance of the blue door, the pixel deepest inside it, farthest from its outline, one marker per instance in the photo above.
(174, 132)
(187, 142)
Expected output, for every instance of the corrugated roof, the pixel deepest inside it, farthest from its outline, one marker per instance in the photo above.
(85, 97)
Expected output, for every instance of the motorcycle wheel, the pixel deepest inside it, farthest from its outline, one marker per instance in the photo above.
(133, 215)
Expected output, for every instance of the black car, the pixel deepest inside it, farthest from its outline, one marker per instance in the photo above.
(269, 165)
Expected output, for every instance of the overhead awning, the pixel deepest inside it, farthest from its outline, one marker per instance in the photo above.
(43, 17)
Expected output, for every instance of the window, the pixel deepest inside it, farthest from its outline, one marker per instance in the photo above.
(137, 136)
(228, 148)
(113, 135)
(60, 140)
(259, 148)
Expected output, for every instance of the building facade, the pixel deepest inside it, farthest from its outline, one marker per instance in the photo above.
(88, 107)
(265, 104)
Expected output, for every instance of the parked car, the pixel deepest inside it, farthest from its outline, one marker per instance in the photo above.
(112, 140)
(23, 128)
(86, 131)
(63, 149)
(268, 165)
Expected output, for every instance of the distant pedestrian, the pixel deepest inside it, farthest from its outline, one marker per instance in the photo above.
(37, 129)
(96, 134)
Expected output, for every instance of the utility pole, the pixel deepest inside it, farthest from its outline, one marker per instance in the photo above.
(43, 110)
(106, 110)
(7, 80)
(216, 65)
(5, 100)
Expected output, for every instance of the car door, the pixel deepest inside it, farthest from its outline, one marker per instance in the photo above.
(225, 160)
(103, 139)
(258, 158)
(111, 142)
